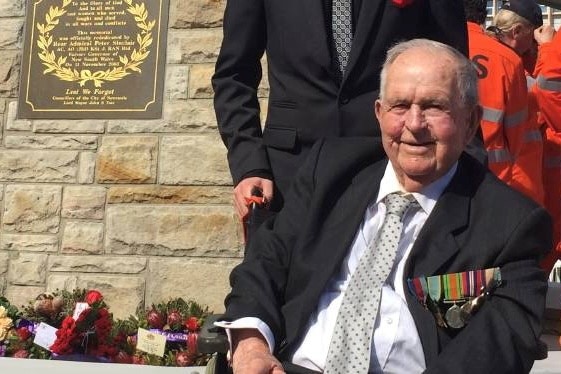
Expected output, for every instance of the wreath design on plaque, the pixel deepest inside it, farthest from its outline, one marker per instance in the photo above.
(56, 65)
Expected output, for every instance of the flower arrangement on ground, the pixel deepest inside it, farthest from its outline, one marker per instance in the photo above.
(90, 332)
(178, 320)
(86, 330)
(16, 334)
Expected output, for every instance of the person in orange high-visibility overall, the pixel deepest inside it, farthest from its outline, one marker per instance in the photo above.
(545, 88)
(541, 54)
(509, 136)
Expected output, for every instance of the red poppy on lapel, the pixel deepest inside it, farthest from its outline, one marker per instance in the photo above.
(402, 3)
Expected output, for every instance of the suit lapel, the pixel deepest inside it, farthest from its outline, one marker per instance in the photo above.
(318, 29)
(316, 33)
(337, 236)
(435, 246)
(364, 190)
(437, 243)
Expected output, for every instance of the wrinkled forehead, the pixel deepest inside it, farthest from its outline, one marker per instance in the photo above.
(420, 69)
(427, 58)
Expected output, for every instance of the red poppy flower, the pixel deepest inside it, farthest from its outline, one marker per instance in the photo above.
(192, 342)
(67, 322)
(23, 333)
(192, 324)
(93, 296)
(402, 3)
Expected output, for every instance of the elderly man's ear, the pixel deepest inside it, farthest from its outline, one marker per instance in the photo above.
(474, 122)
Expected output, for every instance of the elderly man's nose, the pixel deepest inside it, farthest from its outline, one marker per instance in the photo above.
(415, 119)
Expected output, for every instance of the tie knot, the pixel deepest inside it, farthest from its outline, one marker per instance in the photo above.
(397, 203)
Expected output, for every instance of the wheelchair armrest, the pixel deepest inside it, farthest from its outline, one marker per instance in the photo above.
(212, 339)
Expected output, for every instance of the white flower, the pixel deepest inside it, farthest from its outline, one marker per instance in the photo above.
(3, 312)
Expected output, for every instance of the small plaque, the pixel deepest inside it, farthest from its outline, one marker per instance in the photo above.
(45, 336)
(78, 309)
(93, 59)
(151, 342)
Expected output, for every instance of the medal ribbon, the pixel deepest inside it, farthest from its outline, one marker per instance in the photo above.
(467, 283)
(456, 285)
(418, 287)
(453, 286)
(492, 273)
(434, 287)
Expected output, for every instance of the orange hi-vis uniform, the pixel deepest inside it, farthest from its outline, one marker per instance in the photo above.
(513, 142)
(545, 90)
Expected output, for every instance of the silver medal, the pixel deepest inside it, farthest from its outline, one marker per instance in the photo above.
(454, 318)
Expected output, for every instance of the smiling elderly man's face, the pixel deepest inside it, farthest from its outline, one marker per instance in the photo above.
(424, 125)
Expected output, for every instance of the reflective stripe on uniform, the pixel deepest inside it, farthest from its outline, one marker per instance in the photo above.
(492, 115)
(533, 136)
(549, 84)
(497, 116)
(499, 155)
(530, 81)
(517, 118)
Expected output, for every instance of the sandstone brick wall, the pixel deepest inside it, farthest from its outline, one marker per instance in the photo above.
(139, 209)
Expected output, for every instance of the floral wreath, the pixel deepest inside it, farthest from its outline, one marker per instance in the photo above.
(87, 331)
(55, 65)
(93, 323)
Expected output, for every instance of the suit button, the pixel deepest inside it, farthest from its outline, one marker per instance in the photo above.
(389, 321)
(344, 100)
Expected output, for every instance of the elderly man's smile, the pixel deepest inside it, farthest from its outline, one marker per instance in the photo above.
(416, 146)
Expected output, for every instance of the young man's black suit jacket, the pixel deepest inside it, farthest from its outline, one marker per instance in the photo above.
(477, 223)
(306, 101)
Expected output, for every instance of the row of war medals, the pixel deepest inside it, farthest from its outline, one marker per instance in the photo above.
(466, 292)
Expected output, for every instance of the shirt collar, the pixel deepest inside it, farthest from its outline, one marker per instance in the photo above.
(428, 195)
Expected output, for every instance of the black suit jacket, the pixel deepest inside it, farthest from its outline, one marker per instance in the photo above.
(477, 223)
(306, 101)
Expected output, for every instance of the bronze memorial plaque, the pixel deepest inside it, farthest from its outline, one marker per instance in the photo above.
(93, 59)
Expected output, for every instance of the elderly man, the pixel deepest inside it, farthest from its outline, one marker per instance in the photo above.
(426, 263)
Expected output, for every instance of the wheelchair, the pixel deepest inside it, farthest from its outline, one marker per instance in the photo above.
(213, 340)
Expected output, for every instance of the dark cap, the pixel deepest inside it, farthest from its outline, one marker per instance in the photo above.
(527, 9)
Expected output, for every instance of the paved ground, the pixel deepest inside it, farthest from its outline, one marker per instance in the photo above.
(551, 365)
(552, 327)
(25, 366)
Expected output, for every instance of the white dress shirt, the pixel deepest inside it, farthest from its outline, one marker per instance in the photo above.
(396, 347)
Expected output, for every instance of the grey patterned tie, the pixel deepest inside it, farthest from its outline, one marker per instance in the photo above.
(349, 350)
(341, 27)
